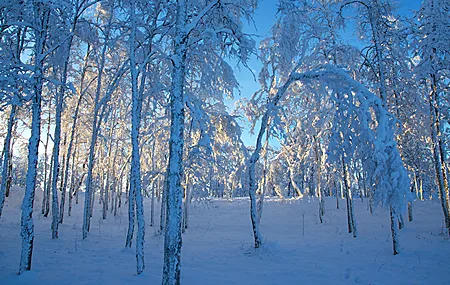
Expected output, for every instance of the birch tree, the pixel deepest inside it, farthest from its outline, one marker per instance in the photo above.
(40, 13)
(431, 47)
(193, 23)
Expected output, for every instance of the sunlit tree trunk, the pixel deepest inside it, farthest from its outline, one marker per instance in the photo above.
(72, 132)
(95, 130)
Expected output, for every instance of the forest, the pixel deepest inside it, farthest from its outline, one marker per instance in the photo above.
(135, 107)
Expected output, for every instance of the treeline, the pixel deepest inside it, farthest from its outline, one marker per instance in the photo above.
(126, 99)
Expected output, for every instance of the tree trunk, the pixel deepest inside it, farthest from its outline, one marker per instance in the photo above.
(410, 212)
(46, 194)
(186, 202)
(318, 187)
(9, 172)
(135, 175)
(119, 195)
(27, 225)
(174, 195)
(95, 129)
(337, 196)
(152, 204)
(57, 138)
(105, 195)
(259, 203)
(401, 222)
(72, 181)
(441, 176)
(6, 157)
(349, 199)
(252, 183)
(72, 134)
(395, 242)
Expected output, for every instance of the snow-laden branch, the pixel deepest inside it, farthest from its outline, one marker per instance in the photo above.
(389, 177)
(194, 22)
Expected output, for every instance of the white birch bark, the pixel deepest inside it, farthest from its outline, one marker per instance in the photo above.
(135, 176)
(55, 157)
(174, 195)
(253, 184)
(41, 13)
(260, 202)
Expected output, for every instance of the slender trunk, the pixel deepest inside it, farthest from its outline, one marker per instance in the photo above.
(46, 196)
(416, 187)
(318, 187)
(113, 191)
(349, 199)
(114, 179)
(102, 184)
(293, 184)
(105, 195)
(119, 196)
(135, 175)
(410, 212)
(27, 226)
(63, 191)
(421, 190)
(72, 181)
(56, 217)
(337, 196)
(94, 135)
(259, 203)
(152, 205)
(441, 177)
(401, 222)
(395, 242)
(152, 202)
(49, 185)
(91, 208)
(127, 190)
(174, 195)
(371, 201)
(252, 183)
(187, 201)
(6, 157)
(9, 172)
(109, 172)
(72, 134)
(162, 215)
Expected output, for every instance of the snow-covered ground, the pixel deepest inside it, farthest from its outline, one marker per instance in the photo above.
(217, 247)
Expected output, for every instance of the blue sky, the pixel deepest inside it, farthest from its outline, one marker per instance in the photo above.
(264, 18)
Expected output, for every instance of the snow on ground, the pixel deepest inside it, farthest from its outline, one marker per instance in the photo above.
(217, 247)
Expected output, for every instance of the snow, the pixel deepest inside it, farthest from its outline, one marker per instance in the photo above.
(218, 246)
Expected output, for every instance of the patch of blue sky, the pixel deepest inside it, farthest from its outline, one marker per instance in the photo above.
(264, 18)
